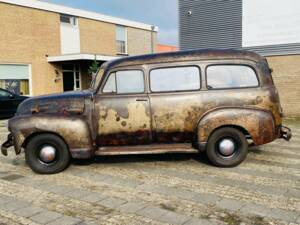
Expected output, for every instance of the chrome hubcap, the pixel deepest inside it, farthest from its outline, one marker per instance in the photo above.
(47, 154)
(226, 147)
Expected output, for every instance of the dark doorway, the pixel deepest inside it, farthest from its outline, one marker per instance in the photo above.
(68, 78)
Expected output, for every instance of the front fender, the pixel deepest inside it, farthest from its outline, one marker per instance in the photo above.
(258, 123)
(73, 130)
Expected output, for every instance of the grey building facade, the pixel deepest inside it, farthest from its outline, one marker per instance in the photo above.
(220, 24)
(268, 27)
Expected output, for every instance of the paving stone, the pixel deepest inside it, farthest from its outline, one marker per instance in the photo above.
(180, 193)
(112, 202)
(28, 211)
(45, 217)
(255, 209)
(132, 207)
(12, 177)
(230, 204)
(5, 199)
(283, 215)
(14, 205)
(122, 182)
(92, 176)
(298, 220)
(208, 199)
(3, 173)
(152, 212)
(89, 223)
(196, 221)
(174, 218)
(293, 193)
(66, 220)
(93, 198)
(60, 190)
(77, 193)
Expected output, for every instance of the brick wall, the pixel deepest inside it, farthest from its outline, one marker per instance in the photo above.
(97, 37)
(139, 41)
(286, 76)
(27, 36)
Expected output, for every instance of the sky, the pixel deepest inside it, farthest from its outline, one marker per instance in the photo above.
(162, 13)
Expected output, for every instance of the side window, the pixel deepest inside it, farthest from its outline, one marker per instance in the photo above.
(230, 76)
(125, 82)
(175, 79)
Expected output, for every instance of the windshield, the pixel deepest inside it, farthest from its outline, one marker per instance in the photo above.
(97, 79)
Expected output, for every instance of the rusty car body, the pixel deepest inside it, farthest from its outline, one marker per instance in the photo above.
(94, 122)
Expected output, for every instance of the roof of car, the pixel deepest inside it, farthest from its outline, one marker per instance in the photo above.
(192, 55)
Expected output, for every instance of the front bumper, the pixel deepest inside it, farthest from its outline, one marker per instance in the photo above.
(7, 144)
(285, 133)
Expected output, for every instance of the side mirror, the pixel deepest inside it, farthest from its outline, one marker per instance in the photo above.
(11, 96)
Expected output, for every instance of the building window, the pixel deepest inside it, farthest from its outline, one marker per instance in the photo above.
(121, 39)
(230, 76)
(175, 79)
(68, 20)
(15, 78)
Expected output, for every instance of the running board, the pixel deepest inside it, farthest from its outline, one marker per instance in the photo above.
(146, 149)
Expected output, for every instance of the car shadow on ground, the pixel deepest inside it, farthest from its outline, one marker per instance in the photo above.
(152, 158)
(124, 159)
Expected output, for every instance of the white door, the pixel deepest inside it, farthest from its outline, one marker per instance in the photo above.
(69, 35)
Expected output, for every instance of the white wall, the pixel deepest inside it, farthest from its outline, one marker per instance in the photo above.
(70, 39)
(271, 22)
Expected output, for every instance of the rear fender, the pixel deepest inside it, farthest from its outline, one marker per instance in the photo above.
(258, 123)
(73, 130)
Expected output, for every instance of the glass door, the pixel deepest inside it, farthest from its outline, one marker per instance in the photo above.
(71, 77)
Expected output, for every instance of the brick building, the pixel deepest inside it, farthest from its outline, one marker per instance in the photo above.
(268, 27)
(47, 48)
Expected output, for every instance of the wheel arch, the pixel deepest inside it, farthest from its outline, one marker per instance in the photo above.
(238, 127)
(74, 131)
(255, 122)
(28, 138)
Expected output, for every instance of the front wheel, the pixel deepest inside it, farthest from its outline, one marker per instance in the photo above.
(227, 147)
(47, 154)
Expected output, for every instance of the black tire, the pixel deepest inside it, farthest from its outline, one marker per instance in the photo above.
(240, 151)
(33, 149)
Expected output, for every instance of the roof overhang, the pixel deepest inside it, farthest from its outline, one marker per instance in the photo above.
(80, 13)
(76, 57)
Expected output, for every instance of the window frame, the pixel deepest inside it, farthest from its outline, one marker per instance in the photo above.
(232, 64)
(121, 94)
(172, 67)
(126, 40)
(73, 20)
(29, 79)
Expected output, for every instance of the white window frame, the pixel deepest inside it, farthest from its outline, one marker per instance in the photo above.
(29, 73)
(126, 40)
(75, 88)
(73, 20)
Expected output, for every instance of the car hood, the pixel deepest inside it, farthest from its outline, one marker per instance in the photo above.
(65, 103)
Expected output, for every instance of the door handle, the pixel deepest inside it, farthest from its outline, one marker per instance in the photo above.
(141, 99)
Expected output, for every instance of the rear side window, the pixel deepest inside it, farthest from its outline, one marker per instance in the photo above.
(175, 79)
(125, 82)
(230, 76)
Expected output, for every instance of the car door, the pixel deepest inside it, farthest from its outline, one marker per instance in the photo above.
(122, 109)
(8, 104)
(176, 103)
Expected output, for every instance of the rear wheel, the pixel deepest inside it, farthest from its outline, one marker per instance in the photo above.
(47, 154)
(227, 147)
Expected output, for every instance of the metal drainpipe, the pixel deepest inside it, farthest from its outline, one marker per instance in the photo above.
(152, 39)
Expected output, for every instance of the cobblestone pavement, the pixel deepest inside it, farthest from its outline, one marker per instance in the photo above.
(165, 189)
